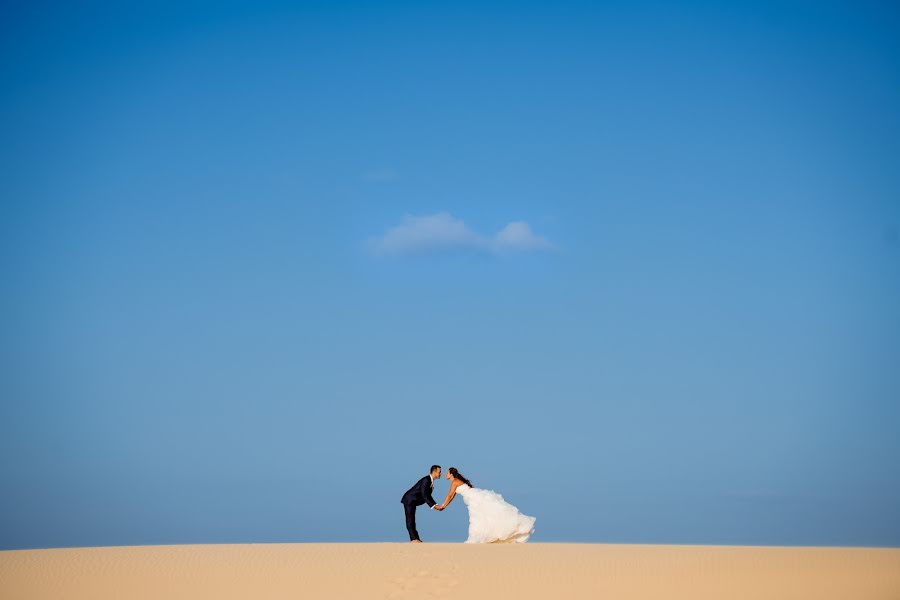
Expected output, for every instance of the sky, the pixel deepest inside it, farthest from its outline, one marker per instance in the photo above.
(633, 265)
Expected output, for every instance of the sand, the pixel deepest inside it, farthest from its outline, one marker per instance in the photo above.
(359, 571)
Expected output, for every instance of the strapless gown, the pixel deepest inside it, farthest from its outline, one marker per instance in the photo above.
(493, 520)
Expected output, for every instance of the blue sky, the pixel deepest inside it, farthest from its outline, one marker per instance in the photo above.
(636, 266)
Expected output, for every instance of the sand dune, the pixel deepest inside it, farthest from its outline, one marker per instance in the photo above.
(358, 571)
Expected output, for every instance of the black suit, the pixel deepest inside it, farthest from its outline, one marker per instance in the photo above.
(417, 495)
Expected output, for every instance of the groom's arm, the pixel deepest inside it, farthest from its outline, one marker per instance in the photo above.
(426, 489)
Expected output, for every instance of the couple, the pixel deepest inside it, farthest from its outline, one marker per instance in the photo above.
(491, 518)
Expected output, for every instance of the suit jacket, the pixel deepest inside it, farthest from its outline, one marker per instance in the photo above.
(420, 493)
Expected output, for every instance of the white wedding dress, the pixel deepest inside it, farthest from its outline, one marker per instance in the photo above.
(492, 519)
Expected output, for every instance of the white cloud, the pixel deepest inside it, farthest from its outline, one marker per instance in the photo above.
(517, 236)
(442, 232)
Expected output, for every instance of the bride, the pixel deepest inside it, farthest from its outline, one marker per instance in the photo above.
(491, 518)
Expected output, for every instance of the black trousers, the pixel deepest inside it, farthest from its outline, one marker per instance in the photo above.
(410, 510)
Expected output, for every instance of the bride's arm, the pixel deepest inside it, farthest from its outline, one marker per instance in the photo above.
(450, 496)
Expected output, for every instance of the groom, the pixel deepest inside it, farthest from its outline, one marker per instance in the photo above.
(417, 495)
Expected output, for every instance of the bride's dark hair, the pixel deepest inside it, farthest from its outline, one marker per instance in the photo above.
(457, 475)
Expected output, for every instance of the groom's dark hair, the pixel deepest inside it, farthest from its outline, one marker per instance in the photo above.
(434, 468)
